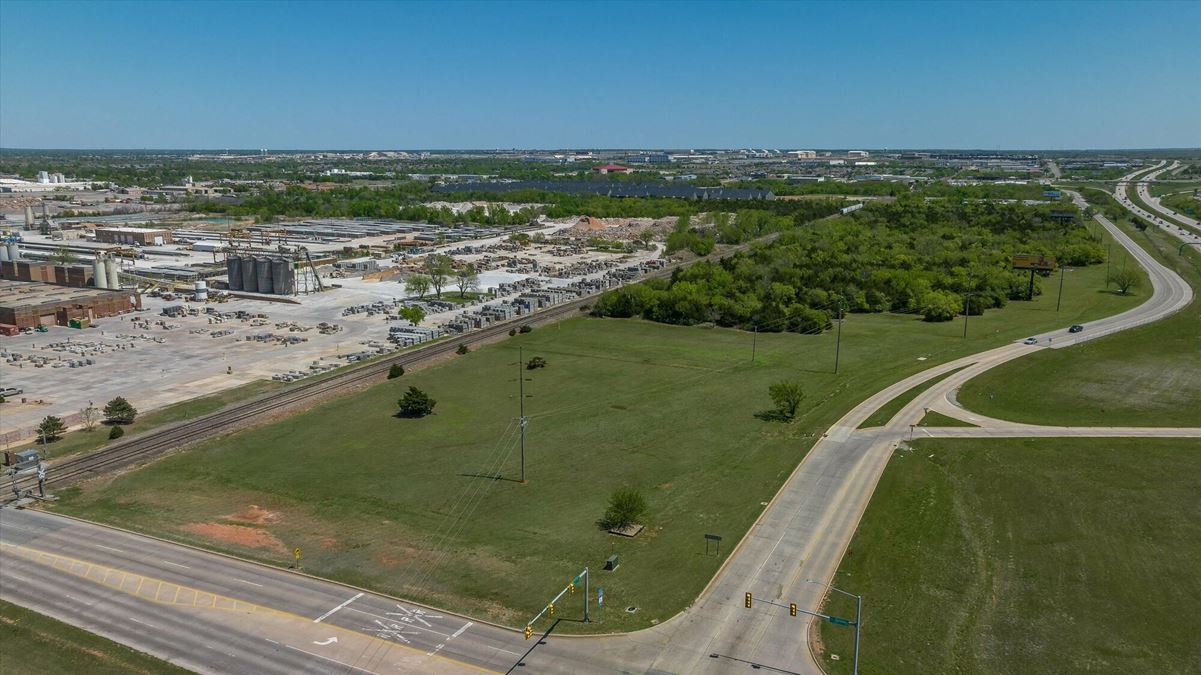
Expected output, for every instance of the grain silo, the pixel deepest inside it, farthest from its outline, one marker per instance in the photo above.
(233, 268)
(250, 282)
(282, 277)
(262, 269)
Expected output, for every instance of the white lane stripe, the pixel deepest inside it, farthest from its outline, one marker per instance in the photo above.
(168, 562)
(328, 614)
(141, 622)
(249, 582)
(361, 670)
(108, 548)
(459, 632)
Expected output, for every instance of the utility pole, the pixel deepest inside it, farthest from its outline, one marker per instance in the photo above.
(838, 341)
(1059, 298)
(754, 341)
(1108, 257)
(521, 408)
(967, 311)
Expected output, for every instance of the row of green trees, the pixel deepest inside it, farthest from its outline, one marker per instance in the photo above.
(913, 255)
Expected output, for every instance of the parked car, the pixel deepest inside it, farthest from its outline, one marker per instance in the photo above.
(1076, 328)
(1030, 341)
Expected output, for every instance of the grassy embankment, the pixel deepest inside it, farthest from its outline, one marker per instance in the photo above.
(1146, 376)
(1027, 556)
(34, 643)
(411, 507)
(86, 441)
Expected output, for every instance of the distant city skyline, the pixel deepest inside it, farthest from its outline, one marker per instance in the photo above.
(454, 76)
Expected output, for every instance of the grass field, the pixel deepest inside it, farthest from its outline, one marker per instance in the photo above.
(937, 419)
(86, 441)
(1146, 376)
(33, 643)
(889, 410)
(412, 507)
(1028, 556)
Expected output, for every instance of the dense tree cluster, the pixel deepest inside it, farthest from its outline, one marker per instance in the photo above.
(912, 255)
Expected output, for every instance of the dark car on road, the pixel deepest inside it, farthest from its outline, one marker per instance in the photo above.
(1076, 328)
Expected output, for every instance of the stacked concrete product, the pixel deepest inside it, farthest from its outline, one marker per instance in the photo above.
(250, 282)
(262, 268)
(281, 276)
(233, 268)
(114, 280)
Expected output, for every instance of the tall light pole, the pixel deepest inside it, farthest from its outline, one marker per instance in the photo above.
(858, 616)
(967, 311)
(521, 408)
(838, 341)
(1059, 298)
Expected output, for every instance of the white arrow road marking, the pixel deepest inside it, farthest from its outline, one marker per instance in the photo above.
(323, 643)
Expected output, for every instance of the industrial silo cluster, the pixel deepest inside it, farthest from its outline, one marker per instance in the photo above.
(270, 275)
(10, 252)
(105, 273)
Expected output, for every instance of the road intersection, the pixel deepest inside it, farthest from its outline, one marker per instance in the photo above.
(213, 613)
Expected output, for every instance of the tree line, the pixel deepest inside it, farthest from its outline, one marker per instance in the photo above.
(912, 255)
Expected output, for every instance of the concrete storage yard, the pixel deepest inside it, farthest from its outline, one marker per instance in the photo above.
(173, 350)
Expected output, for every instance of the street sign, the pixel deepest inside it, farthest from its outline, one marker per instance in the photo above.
(600, 597)
(296, 553)
(839, 621)
(713, 537)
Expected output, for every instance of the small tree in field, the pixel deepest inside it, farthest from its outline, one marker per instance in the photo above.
(119, 411)
(416, 403)
(462, 350)
(535, 363)
(626, 507)
(395, 371)
(412, 313)
(89, 416)
(51, 428)
(116, 432)
(1125, 280)
(786, 396)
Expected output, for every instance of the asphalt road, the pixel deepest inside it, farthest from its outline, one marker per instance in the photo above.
(1163, 217)
(214, 614)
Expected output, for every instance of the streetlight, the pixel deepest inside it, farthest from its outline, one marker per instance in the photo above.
(858, 615)
(1059, 298)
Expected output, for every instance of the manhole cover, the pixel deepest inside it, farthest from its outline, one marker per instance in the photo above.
(631, 609)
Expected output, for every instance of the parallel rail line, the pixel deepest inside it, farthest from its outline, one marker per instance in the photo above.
(240, 415)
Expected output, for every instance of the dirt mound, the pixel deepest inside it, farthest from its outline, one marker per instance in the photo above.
(240, 535)
(255, 515)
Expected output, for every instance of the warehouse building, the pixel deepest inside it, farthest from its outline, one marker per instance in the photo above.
(26, 304)
(141, 236)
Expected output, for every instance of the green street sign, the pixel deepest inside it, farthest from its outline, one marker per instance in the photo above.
(839, 621)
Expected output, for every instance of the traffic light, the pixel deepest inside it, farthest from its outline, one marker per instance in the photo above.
(550, 609)
(792, 609)
(529, 630)
(571, 585)
(748, 600)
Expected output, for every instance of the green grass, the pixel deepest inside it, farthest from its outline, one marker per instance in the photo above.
(87, 441)
(889, 410)
(372, 499)
(1028, 556)
(34, 643)
(1145, 376)
(937, 419)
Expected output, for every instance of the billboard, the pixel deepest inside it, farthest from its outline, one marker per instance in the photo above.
(1033, 262)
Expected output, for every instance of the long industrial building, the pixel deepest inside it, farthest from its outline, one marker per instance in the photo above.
(25, 304)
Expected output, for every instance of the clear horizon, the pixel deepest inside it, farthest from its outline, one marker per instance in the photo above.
(487, 76)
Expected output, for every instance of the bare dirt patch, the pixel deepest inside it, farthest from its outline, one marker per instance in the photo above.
(255, 515)
(329, 543)
(239, 535)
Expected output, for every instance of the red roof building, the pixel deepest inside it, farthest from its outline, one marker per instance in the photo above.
(611, 168)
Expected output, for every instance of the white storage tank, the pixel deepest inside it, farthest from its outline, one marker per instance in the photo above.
(14, 253)
(201, 294)
(3, 253)
(99, 273)
(110, 268)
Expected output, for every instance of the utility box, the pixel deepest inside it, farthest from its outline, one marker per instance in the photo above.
(21, 459)
(611, 563)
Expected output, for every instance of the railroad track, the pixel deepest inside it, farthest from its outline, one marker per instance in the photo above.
(240, 415)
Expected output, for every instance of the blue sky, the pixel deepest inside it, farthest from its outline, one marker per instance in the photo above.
(616, 74)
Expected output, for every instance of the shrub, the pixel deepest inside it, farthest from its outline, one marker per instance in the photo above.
(416, 403)
(119, 411)
(526, 328)
(536, 362)
(116, 432)
(395, 371)
(512, 332)
(51, 427)
(462, 349)
(626, 507)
